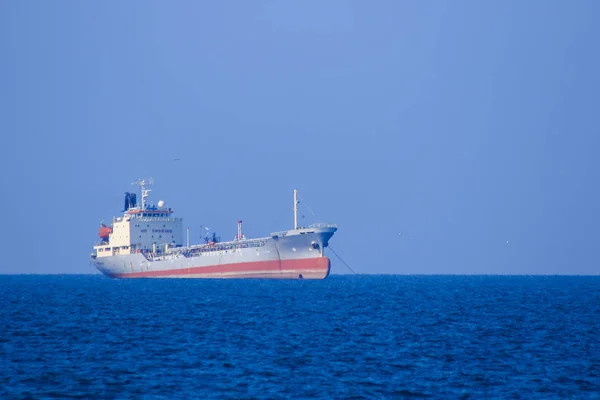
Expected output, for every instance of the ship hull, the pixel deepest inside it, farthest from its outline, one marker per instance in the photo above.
(315, 268)
(289, 255)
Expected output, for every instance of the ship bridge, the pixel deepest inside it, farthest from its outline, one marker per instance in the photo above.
(149, 212)
(141, 227)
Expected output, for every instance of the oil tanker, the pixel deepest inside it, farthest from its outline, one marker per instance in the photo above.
(147, 242)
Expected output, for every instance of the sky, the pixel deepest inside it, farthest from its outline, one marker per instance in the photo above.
(444, 137)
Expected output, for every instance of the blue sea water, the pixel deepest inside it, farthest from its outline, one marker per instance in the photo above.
(344, 337)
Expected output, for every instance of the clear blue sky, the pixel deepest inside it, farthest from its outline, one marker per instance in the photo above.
(461, 124)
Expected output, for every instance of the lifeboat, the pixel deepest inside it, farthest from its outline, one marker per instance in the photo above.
(104, 232)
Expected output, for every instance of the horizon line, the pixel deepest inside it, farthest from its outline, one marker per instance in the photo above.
(330, 275)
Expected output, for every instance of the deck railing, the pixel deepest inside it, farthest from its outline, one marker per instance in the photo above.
(209, 248)
(323, 225)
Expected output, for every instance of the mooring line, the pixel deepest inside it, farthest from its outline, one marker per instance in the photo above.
(343, 262)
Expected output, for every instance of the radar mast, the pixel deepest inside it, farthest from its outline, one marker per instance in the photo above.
(144, 185)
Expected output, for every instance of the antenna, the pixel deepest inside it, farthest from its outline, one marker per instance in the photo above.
(295, 209)
(144, 184)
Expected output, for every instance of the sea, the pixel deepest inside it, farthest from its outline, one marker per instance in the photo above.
(345, 337)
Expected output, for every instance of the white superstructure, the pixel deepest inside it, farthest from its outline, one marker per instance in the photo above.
(143, 228)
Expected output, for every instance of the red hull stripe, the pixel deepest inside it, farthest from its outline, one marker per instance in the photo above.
(312, 266)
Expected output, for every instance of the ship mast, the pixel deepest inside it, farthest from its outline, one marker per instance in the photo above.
(143, 184)
(295, 209)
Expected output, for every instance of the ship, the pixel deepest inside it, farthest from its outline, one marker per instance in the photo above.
(146, 241)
